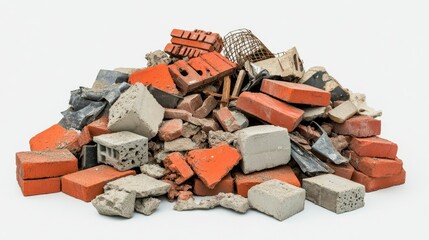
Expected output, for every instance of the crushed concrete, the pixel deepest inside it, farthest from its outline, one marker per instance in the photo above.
(180, 145)
(147, 206)
(216, 138)
(115, 203)
(143, 185)
(153, 170)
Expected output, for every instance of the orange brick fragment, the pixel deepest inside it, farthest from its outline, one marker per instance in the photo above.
(283, 173)
(374, 147)
(89, 183)
(359, 126)
(39, 186)
(99, 126)
(270, 110)
(343, 170)
(57, 137)
(226, 185)
(43, 164)
(296, 92)
(176, 163)
(158, 76)
(226, 119)
(373, 184)
(211, 165)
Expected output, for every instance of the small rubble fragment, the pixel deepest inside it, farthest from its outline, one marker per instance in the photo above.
(226, 120)
(190, 130)
(146, 206)
(180, 145)
(157, 57)
(342, 112)
(235, 202)
(170, 129)
(176, 163)
(216, 138)
(115, 203)
(153, 170)
(157, 76)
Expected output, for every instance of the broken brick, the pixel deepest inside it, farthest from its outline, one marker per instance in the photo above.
(193, 43)
(43, 164)
(296, 93)
(374, 147)
(359, 126)
(283, 173)
(99, 126)
(270, 110)
(175, 162)
(170, 130)
(226, 185)
(89, 183)
(373, 184)
(206, 108)
(211, 165)
(191, 103)
(226, 120)
(56, 137)
(344, 170)
(171, 113)
(158, 76)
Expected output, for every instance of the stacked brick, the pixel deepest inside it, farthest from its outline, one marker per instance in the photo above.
(199, 126)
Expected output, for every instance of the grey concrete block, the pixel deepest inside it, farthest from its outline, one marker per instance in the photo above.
(122, 150)
(263, 147)
(153, 170)
(334, 193)
(143, 185)
(147, 206)
(88, 156)
(276, 198)
(136, 110)
(115, 203)
(180, 145)
(234, 201)
(343, 112)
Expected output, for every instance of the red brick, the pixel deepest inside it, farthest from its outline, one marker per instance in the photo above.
(296, 92)
(270, 110)
(226, 185)
(89, 183)
(39, 186)
(359, 126)
(56, 137)
(170, 113)
(343, 170)
(374, 147)
(99, 126)
(207, 124)
(308, 132)
(226, 119)
(219, 62)
(44, 164)
(191, 43)
(177, 163)
(283, 173)
(190, 103)
(170, 130)
(211, 165)
(373, 184)
(84, 137)
(158, 76)
(205, 70)
(375, 167)
(209, 104)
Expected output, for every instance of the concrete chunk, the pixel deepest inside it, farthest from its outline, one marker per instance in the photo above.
(312, 113)
(153, 170)
(115, 203)
(122, 150)
(147, 206)
(334, 193)
(136, 111)
(234, 201)
(359, 100)
(276, 198)
(263, 147)
(143, 185)
(342, 112)
(218, 137)
(190, 204)
(180, 145)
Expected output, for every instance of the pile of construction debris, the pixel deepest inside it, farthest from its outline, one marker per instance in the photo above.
(247, 129)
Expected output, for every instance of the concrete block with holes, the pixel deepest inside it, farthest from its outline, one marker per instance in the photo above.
(122, 150)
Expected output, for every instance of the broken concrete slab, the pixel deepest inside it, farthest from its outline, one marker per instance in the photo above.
(122, 150)
(136, 111)
(153, 170)
(147, 206)
(263, 147)
(312, 113)
(234, 201)
(115, 203)
(276, 198)
(342, 112)
(180, 145)
(141, 184)
(334, 193)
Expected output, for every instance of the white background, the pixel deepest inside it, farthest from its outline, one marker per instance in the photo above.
(48, 48)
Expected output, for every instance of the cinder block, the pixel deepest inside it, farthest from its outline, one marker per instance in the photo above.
(334, 193)
(89, 183)
(158, 76)
(276, 198)
(270, 110)
(44, 164)
(244, 182)
(296, 93)
(263, 147)
(289, 65)
(136, 111)
(122, 150)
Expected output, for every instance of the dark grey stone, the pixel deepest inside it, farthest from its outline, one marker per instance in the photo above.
(165, 99)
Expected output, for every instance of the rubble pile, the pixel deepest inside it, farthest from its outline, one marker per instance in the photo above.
(249, 129)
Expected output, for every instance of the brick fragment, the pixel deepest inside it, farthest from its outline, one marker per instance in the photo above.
(56, 137)
(226, 185)
(226, 120)
(283, 173)
(31, 187)
(375, 167)
(158, 76)
(344, 170)
(170, 130)
(43, 164)
(359, 126)
(270, 110)
(373, 184)
(175, 162)
(89, 183)
(211, 165)
(296, 93)
(191, 103)
(171, 113)
(374, 147)
(99, 126)
(206, 108)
